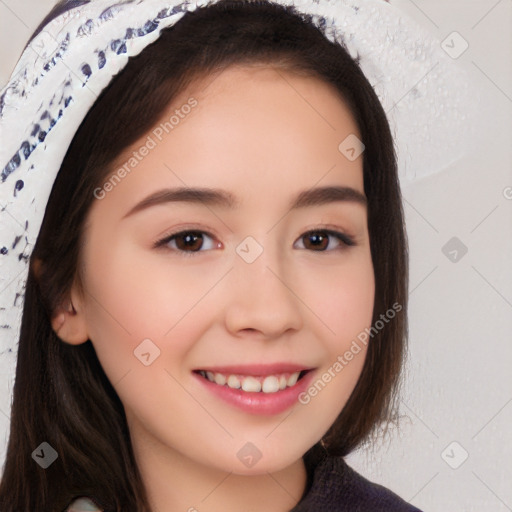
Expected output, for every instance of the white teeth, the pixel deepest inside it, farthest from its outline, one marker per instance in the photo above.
(220, 379)
(270, 384)
(250, 384)
(292, 379)
(234, 382)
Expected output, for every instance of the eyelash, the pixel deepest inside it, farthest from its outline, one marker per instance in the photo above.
(346, 240)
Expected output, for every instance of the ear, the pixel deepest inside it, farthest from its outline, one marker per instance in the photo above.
(68, 320)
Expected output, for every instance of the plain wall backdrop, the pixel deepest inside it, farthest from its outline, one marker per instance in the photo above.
(453, 451)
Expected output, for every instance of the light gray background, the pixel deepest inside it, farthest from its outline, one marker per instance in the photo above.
(459, 379)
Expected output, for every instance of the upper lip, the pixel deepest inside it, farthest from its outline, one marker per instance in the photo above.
(256, 369)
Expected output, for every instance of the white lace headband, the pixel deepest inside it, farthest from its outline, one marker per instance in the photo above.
(73, 58)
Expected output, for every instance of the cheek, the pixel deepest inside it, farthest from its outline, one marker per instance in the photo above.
(345, 307)
(342, 297)
(129, 302)
(142, 322)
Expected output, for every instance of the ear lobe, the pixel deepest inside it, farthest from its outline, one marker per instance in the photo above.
(67, 321)
(69, 324)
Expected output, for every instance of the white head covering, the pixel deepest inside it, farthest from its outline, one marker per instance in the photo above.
(73, 58)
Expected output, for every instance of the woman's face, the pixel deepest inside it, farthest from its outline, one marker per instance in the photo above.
(256, 287)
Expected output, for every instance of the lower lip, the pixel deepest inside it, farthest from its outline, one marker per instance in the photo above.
(259, 403)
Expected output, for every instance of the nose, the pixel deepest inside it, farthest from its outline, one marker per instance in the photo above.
(262, 299)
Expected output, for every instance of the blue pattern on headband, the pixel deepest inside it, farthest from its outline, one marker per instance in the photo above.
(118, 46)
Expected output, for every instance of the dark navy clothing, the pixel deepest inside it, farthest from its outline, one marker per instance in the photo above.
(333, 486)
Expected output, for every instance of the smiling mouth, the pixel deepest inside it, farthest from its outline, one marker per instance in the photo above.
(254, 384)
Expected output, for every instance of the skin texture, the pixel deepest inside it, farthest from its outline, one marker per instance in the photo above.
(264, 135)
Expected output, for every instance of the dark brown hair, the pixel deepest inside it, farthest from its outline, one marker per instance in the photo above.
(61, 394)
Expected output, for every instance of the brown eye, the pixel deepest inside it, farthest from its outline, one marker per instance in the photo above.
(317, 240)
(187, 242)
(191, 240)
(320, 240)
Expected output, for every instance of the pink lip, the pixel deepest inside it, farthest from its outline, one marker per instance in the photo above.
(266, 404)
(256, 370)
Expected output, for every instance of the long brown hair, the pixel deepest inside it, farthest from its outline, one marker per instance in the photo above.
(61, 394)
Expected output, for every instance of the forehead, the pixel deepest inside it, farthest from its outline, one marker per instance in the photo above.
(259, 85)
(257, 130)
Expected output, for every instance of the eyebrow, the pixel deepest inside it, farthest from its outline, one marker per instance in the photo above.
(216, 197)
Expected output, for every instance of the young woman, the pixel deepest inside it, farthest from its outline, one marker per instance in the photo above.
(215, 309)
